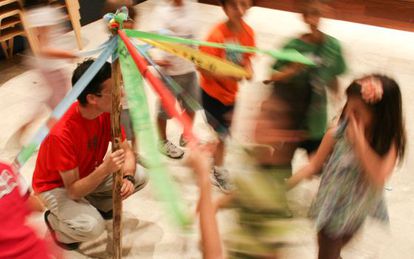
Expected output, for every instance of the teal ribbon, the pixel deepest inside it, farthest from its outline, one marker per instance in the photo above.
(288, 55)
(28, 150)
(146, 134)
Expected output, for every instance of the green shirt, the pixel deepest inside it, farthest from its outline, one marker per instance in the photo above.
(329, 63)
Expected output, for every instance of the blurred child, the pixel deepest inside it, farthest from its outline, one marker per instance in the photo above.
(310, 83)
(357, 157)
(177, 18)
(44, 21)
(219, 92)
(17, 240)
(260, 193)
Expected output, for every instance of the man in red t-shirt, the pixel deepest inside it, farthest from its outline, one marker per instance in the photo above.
(73, 173)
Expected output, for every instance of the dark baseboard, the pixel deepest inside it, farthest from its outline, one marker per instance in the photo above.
(394, 14)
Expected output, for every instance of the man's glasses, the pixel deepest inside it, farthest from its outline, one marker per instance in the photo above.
(101, 94)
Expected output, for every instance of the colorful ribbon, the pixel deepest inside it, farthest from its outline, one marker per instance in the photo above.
(179, 91)
(145, 132)
(202, 60)
(288, 55)
(167, 99)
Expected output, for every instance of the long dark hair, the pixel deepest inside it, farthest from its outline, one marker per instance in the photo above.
(388, 121)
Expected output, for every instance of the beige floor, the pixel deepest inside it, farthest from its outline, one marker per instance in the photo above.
(147, 229)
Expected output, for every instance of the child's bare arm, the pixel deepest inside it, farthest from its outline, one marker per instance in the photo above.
(45, 50)
(212, 248)
(316, 163)
(285, 73)
(56, 53)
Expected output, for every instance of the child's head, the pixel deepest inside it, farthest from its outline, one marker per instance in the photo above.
(177, 2)
(375, 101)
(131, 23)
(235, 9)
(311, 14)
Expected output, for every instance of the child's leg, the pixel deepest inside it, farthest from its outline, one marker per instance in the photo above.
(330, 248)
(162, 123)
(219, 116)
(219, 154)
(162, 128)
(190, 95)
(57, 82)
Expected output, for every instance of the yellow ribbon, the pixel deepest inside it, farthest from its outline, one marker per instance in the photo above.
(203, 60)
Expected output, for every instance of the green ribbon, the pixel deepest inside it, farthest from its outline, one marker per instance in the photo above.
(288, 54)
(146, 134)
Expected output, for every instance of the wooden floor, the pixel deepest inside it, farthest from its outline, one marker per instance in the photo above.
(395, 14)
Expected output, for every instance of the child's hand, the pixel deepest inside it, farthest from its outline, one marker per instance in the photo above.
(268, 81)
(304, 173)
(249, 71)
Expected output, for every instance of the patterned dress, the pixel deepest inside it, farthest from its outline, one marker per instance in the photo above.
(345, 197)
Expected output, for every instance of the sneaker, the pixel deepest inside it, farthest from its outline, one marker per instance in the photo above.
(70, 246)
(183, 141)
(220, 178)
(171, 150)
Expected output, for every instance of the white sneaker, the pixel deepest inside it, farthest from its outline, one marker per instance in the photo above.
(220, 178)
(169, 149)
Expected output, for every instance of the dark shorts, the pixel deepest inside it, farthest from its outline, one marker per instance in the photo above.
(310, 145)
(219, 116)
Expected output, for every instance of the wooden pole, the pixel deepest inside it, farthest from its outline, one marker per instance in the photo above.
(117, 176)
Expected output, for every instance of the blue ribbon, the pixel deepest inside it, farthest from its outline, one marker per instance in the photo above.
(87, 53)
(64, 105)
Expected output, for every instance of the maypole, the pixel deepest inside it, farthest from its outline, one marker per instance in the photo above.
(115, 25)
(117, 176)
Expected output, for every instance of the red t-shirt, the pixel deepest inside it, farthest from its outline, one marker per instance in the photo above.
(225, 90)
(17, 240)
(73, 142)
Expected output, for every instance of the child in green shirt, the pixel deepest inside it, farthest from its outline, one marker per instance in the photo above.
(311, 82)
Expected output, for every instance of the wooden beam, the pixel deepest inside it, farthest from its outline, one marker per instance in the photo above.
(117, 176)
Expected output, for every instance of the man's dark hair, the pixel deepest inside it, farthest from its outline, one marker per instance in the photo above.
(95, 86)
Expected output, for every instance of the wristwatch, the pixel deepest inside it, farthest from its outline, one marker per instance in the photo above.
(130, 178)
